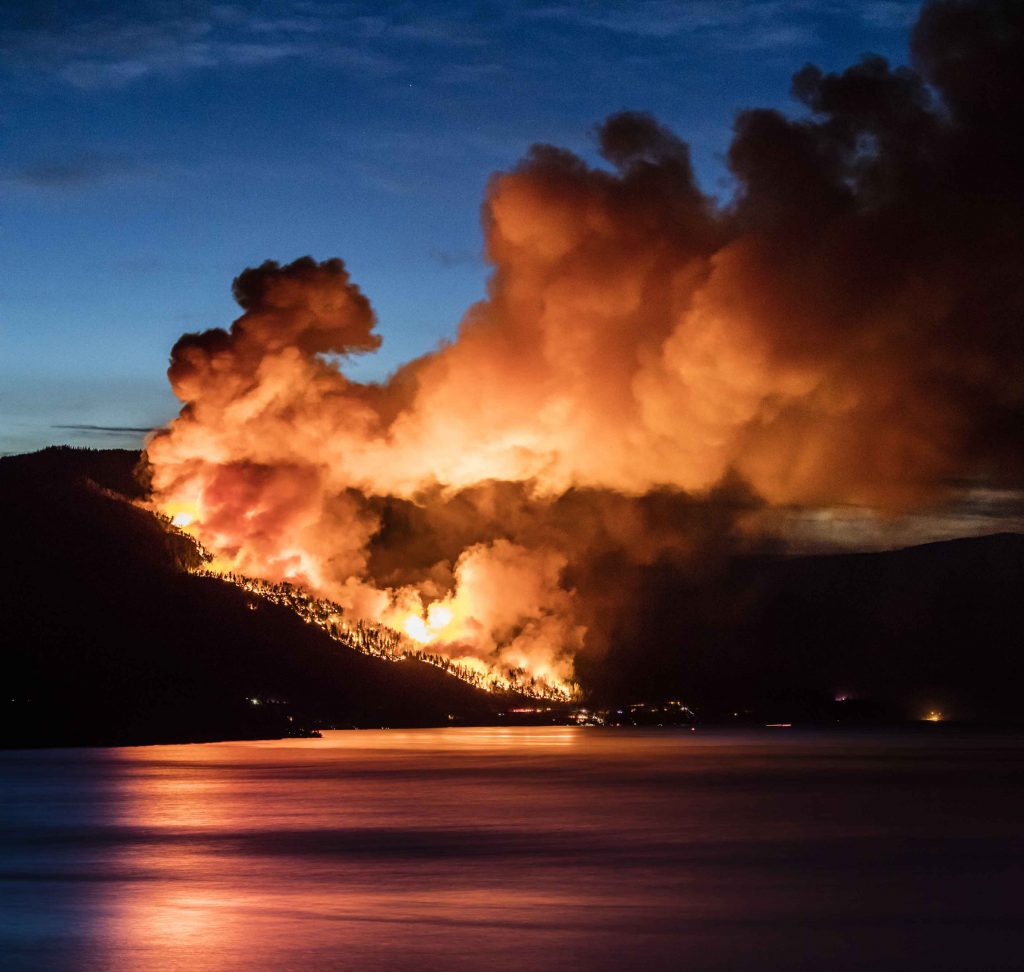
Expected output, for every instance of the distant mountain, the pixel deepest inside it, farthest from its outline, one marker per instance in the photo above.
(933, 627)
(108, 640)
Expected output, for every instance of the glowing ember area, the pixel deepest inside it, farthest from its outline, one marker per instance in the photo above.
(382, 641)
(648, 370)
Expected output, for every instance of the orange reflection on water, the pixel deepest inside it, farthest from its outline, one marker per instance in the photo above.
(512, 848)
(283, 844)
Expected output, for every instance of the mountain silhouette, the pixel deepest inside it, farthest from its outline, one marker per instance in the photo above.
(109, 639)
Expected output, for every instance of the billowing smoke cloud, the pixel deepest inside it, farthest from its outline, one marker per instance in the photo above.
(648, 366)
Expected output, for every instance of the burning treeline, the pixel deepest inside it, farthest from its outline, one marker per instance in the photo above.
(649, 366)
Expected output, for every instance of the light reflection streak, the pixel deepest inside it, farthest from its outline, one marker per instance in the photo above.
(507, 848)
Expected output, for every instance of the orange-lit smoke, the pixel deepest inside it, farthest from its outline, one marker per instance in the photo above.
(846, 330)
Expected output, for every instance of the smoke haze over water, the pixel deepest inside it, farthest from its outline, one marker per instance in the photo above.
(652, 375)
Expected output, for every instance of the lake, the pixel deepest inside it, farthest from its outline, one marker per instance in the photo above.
(525, 848)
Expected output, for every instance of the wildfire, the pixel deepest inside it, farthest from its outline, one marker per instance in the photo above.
(388, 643)
(640, 348)
(416, 628)
(503, 626)
(426, 630)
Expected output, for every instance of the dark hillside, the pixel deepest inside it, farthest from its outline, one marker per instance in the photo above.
(107, 640)
(934, 626)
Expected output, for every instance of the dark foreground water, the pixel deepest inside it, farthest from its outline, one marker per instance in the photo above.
(555, 848)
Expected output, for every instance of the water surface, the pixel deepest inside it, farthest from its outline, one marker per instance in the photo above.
(553, 848)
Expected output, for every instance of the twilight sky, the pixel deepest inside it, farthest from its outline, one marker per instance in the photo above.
(153, 150)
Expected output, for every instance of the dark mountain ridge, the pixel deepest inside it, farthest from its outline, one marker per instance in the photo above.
(109, 640)
(932, 627)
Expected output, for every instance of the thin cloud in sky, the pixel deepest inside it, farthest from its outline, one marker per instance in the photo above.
(890, 14)
(109, 46)
(749, 23)
(113, 46)
(104, 429)
(72, 173)
(734, 24)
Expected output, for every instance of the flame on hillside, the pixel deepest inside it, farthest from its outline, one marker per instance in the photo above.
(385, 642)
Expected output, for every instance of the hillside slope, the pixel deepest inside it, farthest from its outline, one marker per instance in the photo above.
(107, 640)
(938, 626)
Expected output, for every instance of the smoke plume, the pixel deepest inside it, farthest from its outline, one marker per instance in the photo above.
(649, 367)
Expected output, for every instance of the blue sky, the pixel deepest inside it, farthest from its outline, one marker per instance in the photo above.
(152, 150)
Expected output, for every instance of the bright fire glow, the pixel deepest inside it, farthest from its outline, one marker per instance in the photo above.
(416, 628)
(410, 641)
(439, 617)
